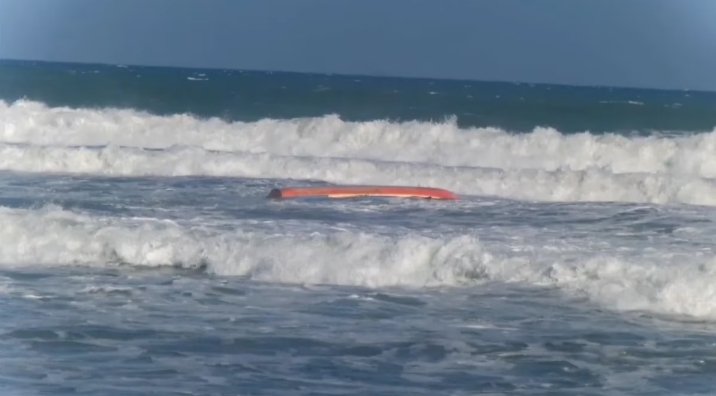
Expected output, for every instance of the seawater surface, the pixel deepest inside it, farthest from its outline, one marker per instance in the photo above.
(139, 254)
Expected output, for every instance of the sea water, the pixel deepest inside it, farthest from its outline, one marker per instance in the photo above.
(139, 254)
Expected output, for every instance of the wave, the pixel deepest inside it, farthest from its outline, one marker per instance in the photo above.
(28, 122)
(529, 184)
(663, 281)
(543, 165)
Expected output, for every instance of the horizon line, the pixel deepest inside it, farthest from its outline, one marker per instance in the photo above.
(374, 76)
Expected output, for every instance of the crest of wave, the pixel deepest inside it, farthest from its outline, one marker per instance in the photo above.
(53, 236)
(657, 280)
(28, 122)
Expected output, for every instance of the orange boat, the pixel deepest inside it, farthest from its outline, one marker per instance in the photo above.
(362, 191)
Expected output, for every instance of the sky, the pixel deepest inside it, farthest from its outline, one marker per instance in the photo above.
(636, 43)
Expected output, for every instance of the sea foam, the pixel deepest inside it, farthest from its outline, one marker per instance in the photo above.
(543, 165)
(623, 279)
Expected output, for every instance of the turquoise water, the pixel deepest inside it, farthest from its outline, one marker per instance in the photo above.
(139, 255)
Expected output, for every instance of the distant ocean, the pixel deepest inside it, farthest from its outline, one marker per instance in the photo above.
(139, 255)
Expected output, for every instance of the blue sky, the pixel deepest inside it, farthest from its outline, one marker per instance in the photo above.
(646, 43)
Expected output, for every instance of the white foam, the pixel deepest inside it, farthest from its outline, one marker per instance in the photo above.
(531, 184)
(444, 143)
(56, 237)
(662, 279)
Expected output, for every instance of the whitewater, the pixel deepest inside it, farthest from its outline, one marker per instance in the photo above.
(542, 165)
(139, 253)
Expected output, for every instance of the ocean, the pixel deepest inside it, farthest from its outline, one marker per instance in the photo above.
(139, 254)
